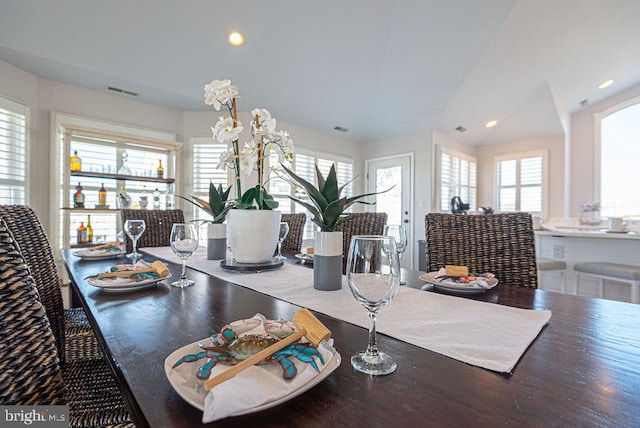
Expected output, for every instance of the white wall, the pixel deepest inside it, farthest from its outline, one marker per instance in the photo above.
(486, 172)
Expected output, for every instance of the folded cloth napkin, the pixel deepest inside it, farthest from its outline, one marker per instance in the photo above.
(113, 244)
(132, 280)
(258, 385)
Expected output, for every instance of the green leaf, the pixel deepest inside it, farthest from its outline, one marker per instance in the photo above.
(311, 190)
(330, 189)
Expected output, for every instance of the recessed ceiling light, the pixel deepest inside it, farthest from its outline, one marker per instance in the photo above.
(605, 84)
(491, 123)
(235, 38)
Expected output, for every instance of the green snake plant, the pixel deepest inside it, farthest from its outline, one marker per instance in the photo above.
(327, 205)
(218, 204)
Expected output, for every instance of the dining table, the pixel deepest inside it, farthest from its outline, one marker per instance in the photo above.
(582, 368)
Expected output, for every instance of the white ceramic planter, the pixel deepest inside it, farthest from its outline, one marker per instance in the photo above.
(253, 234)
(327, 261)
(216, 241)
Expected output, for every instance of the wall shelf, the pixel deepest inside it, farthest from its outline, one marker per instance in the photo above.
(122, 177)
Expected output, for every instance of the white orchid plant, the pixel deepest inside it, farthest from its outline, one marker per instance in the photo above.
(266, 143)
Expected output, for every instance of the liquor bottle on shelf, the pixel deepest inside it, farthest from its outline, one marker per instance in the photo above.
(160, 169)
(78, 197)
(124, 200)
(89, 229)
(82, 234)
(102, 196)
(156, 199)
(76, 162)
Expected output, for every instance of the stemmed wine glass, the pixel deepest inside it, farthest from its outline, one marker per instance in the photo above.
(399, 233)
(183, 241)
(134, 229)
(373, 275)
(284, 231)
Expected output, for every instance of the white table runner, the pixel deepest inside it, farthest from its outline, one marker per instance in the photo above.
(478, 333)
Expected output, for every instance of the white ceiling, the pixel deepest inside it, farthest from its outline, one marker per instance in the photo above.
(380, 68)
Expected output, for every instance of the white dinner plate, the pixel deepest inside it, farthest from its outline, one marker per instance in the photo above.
(184, 381)
(98, 255)
(458, 287)
(121, 286)
(305, 257)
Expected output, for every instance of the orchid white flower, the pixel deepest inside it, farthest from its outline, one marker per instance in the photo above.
(219, 92)
(248, 158)
(224, 159)
(266, 124)
(224, 131)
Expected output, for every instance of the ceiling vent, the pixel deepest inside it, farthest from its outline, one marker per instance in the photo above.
(584, 103)
(461, 129)
(122, 91)
(340, 128)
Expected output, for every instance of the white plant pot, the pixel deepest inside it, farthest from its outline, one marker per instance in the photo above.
(253, 234)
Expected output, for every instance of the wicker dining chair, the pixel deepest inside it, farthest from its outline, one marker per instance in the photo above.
(95, 399)
(293, 241)
(359, 224)
(29, 366)
(502, 244)
(158, 225)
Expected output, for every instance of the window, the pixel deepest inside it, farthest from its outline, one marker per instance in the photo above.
(521, 181)
(13, 152)
(619, 151)
(458, 176)
(304, 166)
(104, 154)
(206, 157)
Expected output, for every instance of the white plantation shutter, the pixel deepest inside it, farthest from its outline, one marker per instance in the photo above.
(206, 158)
(458, 175)
(13, 152)
(520, 182)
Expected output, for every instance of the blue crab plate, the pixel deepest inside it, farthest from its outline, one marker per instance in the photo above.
(183, 377)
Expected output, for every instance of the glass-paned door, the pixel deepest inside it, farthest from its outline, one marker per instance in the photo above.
(393, 173)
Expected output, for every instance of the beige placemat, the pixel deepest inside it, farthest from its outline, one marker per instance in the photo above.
(479, 333)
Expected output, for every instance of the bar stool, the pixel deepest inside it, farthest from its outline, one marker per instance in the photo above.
(611, 272)
(544, 265)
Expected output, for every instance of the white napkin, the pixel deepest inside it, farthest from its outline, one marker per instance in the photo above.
(258, 385)
(128, 280)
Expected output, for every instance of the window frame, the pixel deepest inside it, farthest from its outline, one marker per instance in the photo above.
(597, 153)
(22, 109)
(437, 200)
(518, 156)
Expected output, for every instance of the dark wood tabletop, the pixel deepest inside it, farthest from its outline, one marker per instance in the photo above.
(582, 370)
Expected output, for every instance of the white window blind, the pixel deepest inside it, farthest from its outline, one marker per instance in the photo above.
(520, 182)
(206, 158)
(13, 152)
(458, 175)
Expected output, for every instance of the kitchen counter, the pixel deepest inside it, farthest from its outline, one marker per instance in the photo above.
(575, 232)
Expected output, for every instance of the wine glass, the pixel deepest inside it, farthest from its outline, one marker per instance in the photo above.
(373, 275)
(399, 233)
(134, 229)
(183, 241)
(284, 231)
